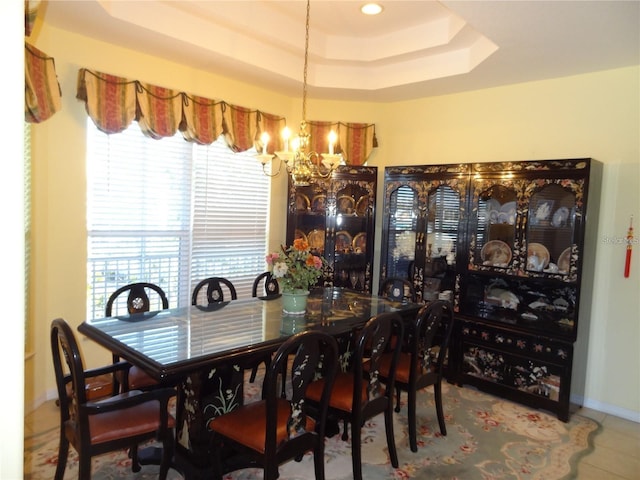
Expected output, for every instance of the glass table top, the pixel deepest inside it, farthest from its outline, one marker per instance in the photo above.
(173, 341)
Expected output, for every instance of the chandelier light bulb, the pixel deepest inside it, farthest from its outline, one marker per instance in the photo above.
(264, 138)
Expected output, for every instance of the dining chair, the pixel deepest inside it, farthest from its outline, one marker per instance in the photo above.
(117, 422)
(137, 301)
(358, 395)
(274, 429)
(270, 287)
(215, 292)
(421, 364)
(397, 289)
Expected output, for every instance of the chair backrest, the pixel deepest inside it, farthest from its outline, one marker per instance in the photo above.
(269, 283)
(68, 367)
(434, 325)
(215, 292)
(373, 341)
(137, 298)
(313, 353)
(397, 289)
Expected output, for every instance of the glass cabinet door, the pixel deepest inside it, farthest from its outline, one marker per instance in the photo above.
(403, 215)
(442, 224)
(353, 219)
(550, 230)
(309, 216)
(496, 229)
(443, 216)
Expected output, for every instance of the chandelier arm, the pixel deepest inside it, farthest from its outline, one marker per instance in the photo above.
(264, 170)
(316, 160)
(266, 158)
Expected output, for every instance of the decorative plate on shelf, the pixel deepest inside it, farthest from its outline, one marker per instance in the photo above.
(362, 206)
(316, 240)
(302, 202)
(346, 204)
(540, 251)
(343, 241)
(360, 242)
(564, 260)
(560, 217)
(496, 252)
(542, 211)
(300, 234)
(319, 203)
(492, 204)
(508, 213)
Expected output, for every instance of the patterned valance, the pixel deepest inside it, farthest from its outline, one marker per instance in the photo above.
(355, 140)
(114, 102)
(42, 95)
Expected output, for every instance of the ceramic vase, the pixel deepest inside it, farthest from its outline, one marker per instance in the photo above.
(295, 303)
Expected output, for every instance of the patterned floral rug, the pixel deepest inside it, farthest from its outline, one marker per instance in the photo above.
(487, 438)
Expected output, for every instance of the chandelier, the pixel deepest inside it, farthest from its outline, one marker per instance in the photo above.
(302, 164)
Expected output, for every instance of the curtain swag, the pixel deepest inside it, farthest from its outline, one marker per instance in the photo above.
(42, 94)
(114, 102)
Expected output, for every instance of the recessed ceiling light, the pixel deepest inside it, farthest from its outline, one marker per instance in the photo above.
(371, 9)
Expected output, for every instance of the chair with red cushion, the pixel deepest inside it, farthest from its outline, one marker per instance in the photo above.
(113, 423)
(358, 395)
(421, 364)
(274, 429)
(137, 301)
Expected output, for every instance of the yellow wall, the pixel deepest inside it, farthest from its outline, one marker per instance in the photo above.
(594, 115)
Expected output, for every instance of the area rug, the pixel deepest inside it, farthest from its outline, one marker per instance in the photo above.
(488, 438)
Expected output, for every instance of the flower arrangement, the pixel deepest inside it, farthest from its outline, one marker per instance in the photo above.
(295, 267)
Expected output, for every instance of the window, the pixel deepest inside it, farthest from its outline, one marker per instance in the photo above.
(171, 213)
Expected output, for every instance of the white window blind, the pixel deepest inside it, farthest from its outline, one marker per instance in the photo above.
(171, 213)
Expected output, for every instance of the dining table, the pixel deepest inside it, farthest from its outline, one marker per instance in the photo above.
(204, 351)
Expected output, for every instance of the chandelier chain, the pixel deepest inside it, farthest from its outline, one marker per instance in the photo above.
(306, 62)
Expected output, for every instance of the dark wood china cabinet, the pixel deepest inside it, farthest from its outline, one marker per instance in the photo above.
(336, 216)
(512, 257)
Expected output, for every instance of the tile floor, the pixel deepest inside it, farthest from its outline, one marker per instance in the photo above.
(616, 455)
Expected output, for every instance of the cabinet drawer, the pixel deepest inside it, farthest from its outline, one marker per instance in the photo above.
(535, 347)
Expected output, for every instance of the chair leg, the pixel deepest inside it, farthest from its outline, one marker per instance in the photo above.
(391, 441)
(84, 466)
(397, 399)
(437, 390)
(356, 450)
(318, 460)
(167, 454)
(217, 460)
(411, 417)
(270, 470)
(63, 453)
(135, 462)
(254, 371)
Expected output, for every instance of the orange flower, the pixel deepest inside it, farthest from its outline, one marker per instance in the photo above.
(300, 244)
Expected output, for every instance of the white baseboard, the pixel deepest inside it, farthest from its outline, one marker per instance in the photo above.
(37, 402)
(606, 408)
